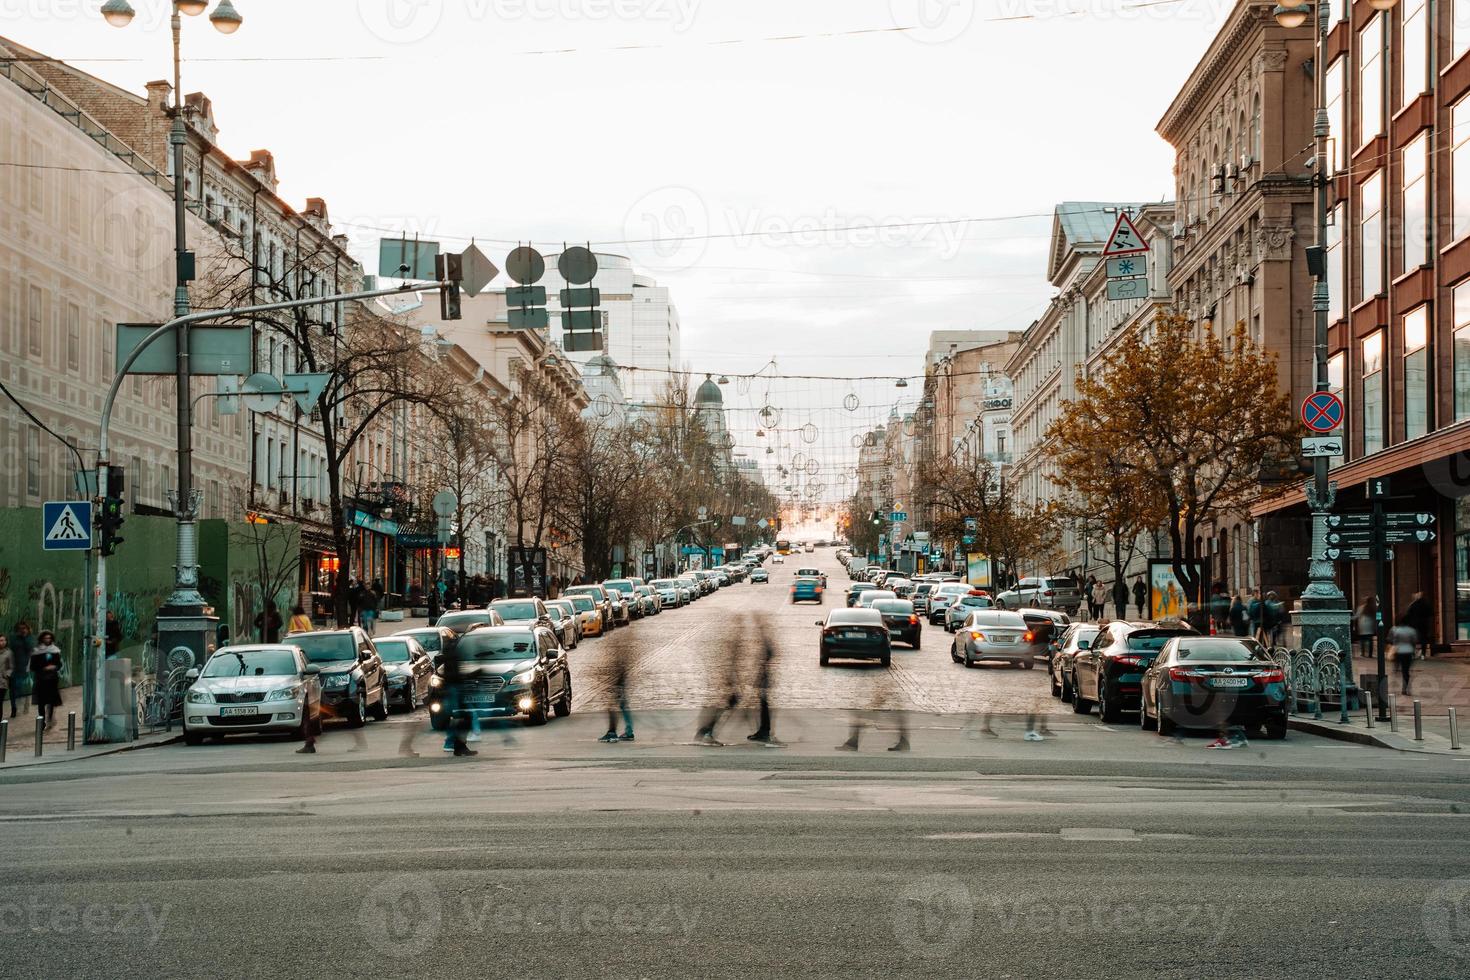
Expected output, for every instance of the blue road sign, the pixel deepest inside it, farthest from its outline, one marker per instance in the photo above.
(66, 525)
(1322, 411)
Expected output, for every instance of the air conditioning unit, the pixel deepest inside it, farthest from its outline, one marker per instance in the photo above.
(1245, 277)
(1246, 161)
(308, 504)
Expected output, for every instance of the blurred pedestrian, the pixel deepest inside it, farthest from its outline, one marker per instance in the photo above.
(22, 645)
(1120, 597)
(885, 698)
(1273, 619)
(354, 600)
(1420, 616)
(727, 686)
(300, 621)
(1219, 608)
(1097, 599)
(1404, 638)
(1365, 625)
(1140, 597)
(46, 676)
(620, 666)
(112, 635)
(456, 721)
(1240, 623)
(765, 654)
(268, 623)
(1255, 611)
(7, 665)
(368, 611)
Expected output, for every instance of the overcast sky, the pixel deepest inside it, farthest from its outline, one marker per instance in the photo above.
(622, 120)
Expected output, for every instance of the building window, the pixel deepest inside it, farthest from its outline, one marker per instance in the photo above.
(1336, 370)
(1416, 372)
(33, 462)
(1462, 560)
(1370, 80)
(33, 320)
(73, 337)
(1336, 266)
(1373, 386)
(1462, 350)
(1460, 29)
(1460, 168)
(1336, 122)
(1370, 237)
(1416, 202)
(1415, 65)
(1256, 126)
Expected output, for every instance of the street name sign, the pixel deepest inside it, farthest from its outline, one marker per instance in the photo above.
(1126, 239)
(1401, 520)
(66, 525)
(1354, 554)
(1317, 447)
(1322, 411)
(1409, 536)
(1350, 520)
(898, 517)
(1353, 538)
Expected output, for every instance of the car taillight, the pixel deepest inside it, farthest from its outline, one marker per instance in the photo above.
(1272, 677)
(977, 635)
(913, 620)
(1030, 637)
(1128, 660)
(1050, 592)
(1184, 674)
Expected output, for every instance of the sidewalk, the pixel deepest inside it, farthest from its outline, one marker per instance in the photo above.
(1436, 729)
(23, 725)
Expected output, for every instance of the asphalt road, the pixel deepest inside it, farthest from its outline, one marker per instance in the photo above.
(1100, 852)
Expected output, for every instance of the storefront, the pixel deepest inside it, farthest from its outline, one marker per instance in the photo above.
(374, 552)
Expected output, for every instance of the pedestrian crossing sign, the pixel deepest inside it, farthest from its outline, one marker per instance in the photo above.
(66, 525)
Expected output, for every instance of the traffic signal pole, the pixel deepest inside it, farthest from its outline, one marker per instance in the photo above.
(95, 729)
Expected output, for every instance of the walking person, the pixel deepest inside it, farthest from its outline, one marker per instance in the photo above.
(22, 645)
(7, 665)
(1404, 639)
(1365, 625)
(620, 666)
(369, 609)
(457, 723)
(1273, 619)
(1219, 608)
(1239, 620)
(1140, 597)
(46, 676)
(268, 623)
(112, 635)
(1255, 611)
(765, 655)
(729, 697)
(300, 621)
(1097, 602)
(1420, 616)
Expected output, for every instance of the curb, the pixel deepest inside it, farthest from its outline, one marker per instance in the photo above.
(52, 760)
(1359, 736)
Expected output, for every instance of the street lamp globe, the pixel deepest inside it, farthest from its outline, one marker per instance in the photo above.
(191, 7)
(118, 13)
(226, 19)
(1290, 17)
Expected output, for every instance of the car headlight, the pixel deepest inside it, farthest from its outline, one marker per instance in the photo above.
(524, 677)
(335, 681)
(200, 697)
(436, 681)
(284, 694)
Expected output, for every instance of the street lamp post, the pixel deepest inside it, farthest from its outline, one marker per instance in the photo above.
(183, 620)
(1323, 610)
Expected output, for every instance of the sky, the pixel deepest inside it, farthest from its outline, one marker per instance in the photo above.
(820, 182)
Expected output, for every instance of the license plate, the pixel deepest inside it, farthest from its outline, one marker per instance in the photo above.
(854, 635)
(236, 712)
(1230, 682)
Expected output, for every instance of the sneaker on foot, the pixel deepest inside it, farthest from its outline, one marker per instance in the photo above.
(707, 740)
(1034, 737)
(465, 750)
(626, 737)
(847, 747)
(757, 737)
(609, 737)
(472, 737)
(1221, 743)
(306, 750)
(902, 745)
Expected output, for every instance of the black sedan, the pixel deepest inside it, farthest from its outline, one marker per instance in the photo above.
(855, 634)
(901, 620)
(855, 590)
(409, 669)
(1110, 673)
(1213, 682)
(504, 671)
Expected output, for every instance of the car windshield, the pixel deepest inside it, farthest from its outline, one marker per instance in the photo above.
(326, 648)
(582, 603)
(516, 610)
(555, 612)
(896, 607)
(621, 585)
(1145, 642)
(393, 651)
(464, 620)
(428, 639)
(588, 590)
(998, 618)
(251, 663)
(487, 645)
(978, 601)
(1061, 583)
(1222, 650)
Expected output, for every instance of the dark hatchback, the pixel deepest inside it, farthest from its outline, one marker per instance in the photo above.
(504, 671)
(855, 634)
(901, 620)
(856, 589)
(1109, 674)
(1211, 682)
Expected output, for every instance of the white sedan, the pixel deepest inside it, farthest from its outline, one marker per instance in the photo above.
(253, 689)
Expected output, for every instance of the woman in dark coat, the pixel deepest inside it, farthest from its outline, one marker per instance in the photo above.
(46, 674)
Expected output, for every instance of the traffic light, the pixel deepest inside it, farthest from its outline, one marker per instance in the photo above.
(109, 521)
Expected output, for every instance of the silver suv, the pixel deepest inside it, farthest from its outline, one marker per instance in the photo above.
(1045, 592)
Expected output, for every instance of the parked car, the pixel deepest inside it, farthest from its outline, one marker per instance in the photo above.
(994, 635)
(1078, 636)
(855, 634)
(464, 620)
(902, 622)
(564, 625)
(589, 614)
(408, 667)
(901, 587)
(963, 606)
(569, 609)
(671, 592)
(265, 688)
(434, 639)
(1211, 682)
(920, 598)
(599, 597)
(624, 589)
(354, 684)
(1046, 592)
(759, 575)
(650, 599)
(515, 612)
(507, 671)
(1110, 672)
(691, 582)
(806, 589)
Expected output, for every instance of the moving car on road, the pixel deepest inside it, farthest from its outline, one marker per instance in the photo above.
(806, 589)
(253, 688)
(994, 635)
(504, 672)
(1211, 682)
(963, 606)
(354, 684)
(812, 573)
(901, 620)
(408, 667)
(866, 598)
(855, 634)
(1109, 673)
(941, 597)
(759, 575)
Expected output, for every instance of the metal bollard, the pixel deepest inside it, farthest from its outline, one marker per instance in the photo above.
(4, 737)
(1418, 720)
(1393, 713)
(40, 730)
(1368, 707)
(71, 731)
(1454, 732)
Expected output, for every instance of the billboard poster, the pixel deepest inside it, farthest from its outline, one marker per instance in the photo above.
(527, 571)
(1168, 599)
(978, 571)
